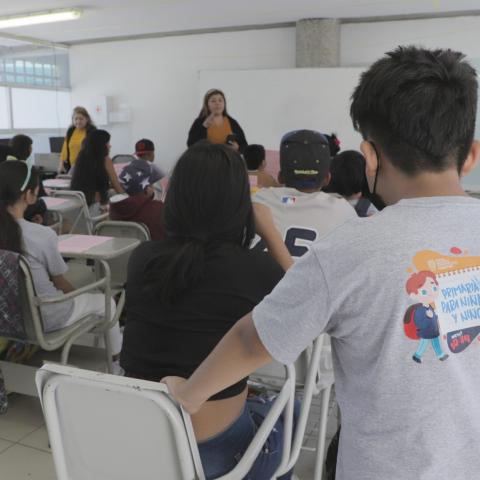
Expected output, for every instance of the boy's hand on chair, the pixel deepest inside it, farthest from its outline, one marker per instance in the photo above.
(176, 387)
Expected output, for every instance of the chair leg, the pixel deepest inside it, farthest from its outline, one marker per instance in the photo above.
(66, 349)
(322, 433)
(108, 352)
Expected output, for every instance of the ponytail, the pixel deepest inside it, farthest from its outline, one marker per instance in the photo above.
(179, 266)
(12, 176)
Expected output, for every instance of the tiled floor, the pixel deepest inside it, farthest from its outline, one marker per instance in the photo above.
(25, 455)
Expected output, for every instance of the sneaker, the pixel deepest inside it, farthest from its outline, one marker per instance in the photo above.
(417, 359)
(117, 369)
(443, 357)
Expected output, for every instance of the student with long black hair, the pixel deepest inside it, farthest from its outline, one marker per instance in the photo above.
(94, 171)
(186, 291)
(19, 183)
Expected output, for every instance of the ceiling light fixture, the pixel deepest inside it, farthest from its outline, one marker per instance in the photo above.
(36, 18)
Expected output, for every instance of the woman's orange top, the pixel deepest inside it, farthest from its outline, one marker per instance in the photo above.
(219, 134)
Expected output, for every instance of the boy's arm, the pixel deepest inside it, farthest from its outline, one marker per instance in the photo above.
(266, 229)
(239, 353)
(112, 175)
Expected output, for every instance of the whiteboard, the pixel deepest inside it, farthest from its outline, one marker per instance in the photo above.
(269, 103)
(35, 108)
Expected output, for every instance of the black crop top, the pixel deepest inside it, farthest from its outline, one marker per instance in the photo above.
(160, 340)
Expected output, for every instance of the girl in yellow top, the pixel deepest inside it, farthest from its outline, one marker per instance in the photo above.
(214, 123)
(76, 133)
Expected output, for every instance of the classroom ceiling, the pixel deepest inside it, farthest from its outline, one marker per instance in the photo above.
(121, 18)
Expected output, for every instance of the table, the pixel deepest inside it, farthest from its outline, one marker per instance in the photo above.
(57, 183)
(95, 247)
(112, 253)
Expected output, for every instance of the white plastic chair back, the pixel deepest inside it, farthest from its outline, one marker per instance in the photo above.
(82, 221)
(113, 428)
(107, 427)
(123, 158)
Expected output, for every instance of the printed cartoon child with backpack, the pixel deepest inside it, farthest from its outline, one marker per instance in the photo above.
(421, 321)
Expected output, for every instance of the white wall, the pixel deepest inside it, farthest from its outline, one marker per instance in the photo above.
(158, 79)
(363, 43)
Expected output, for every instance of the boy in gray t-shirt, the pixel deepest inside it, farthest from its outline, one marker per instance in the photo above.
(399, 293)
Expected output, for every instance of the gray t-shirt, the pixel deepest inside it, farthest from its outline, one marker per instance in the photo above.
(41, 252)
(403, 418)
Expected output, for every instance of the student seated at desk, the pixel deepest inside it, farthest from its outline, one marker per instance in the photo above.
(138, 205)
(254, 156)
(94, 171)
(348, 180)
(19, 184)
(185, 292)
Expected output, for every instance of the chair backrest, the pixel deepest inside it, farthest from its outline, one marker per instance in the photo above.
(108, 427)
(116, 428)
(82, 221)
(123, 158)
(113, 228)
(26, 324)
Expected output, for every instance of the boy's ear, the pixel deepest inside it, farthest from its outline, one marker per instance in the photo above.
(371, 160)
(472, 159)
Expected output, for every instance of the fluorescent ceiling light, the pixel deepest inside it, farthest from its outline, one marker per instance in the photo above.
(39, 17)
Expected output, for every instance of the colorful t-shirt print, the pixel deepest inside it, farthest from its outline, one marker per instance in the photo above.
(446, 289)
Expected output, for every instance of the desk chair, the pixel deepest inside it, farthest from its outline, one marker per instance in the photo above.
(25, 324)
(314, 376)
(123, 158)
(112, 228)
(107, 427)
(83, 223)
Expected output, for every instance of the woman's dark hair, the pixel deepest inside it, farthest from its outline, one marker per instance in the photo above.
(205, 112)
(207, 203)
(254, 155)
(333, 143)
(89, 173)
(418, 106)
(21, 146)
(348, 174)
(5, 151)
(12, 177)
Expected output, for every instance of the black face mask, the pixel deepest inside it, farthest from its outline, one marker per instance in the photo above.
(376, 200)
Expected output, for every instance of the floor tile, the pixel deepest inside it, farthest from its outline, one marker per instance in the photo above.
(23, 417)
(37, 439)
(4, 444)
(24, 463)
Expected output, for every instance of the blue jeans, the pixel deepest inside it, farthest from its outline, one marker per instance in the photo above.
(223, 451)
(422, 346)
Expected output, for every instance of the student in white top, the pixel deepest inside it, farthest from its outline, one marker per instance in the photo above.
(398, 293)
(301, 211)
(19, 184)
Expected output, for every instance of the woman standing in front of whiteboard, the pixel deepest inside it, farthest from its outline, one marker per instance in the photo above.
(215, 124)
(76, 133)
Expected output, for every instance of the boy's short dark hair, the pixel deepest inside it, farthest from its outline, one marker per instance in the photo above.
(254, 155)
(20, 146)
(348, 173)
(418, 106)
(304, 158)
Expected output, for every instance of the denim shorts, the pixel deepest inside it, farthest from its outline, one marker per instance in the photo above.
(223, 451)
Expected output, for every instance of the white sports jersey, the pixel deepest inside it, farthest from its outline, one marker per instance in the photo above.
(302, 218)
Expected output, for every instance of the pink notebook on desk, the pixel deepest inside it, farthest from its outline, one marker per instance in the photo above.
(80, 243)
